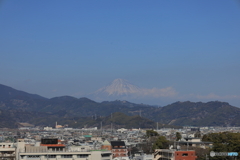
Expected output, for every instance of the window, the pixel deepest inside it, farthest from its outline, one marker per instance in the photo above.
(50, 156)
(106, 155)
(33, 156)
(66, 156)
(185, 154)
(82, 155)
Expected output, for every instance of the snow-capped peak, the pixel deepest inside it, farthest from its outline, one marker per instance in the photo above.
(118, 87)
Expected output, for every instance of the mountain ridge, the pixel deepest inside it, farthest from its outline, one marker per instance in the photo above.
(9, 92)
(214, 113)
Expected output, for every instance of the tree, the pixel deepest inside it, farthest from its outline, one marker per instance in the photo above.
(178, 136)
(161, 143)
(224, 142)
(151, 133)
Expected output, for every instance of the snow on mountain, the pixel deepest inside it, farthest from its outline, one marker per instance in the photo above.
(119, 87)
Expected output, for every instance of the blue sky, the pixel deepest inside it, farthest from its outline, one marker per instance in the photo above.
(54, 48)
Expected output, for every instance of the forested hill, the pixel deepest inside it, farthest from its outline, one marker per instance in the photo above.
(213, 113)
(199, 114)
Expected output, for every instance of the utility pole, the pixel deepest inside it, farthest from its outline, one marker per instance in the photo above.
(101, 126)
(111, 128)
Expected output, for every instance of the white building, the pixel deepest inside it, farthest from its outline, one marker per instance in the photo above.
(28, 152)
(77, 155)
(7, 151)
(144, 157)
(121, 158)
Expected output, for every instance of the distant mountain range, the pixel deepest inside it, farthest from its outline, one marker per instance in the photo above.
(8, 93)
(18, 106)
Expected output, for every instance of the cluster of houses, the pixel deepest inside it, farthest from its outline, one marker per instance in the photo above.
(54, 149)
(93, 144)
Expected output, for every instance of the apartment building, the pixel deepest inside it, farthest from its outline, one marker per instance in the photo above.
(58, 151)
(119, 149)
(172, 154)
(7, 151)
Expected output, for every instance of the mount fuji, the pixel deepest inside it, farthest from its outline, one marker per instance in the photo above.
(119, 87)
